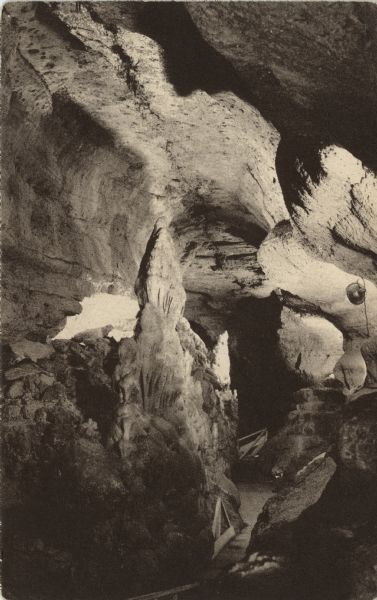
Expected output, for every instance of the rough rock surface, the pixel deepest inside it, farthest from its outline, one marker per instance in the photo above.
(255, 162)
(283, 509)
(115, 454)
(369, 353)
(358, 435)
(328, 548)
(307, 260)
(89, 84)
(329, 92)
(310, 345)
(311, 428)
(87, 75)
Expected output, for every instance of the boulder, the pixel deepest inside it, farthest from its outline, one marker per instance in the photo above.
(369, 353)
(274, 525)
(24, 370)
(351, 371)
(33, 350)
(357, 444)
(92, 334)
(310, 345)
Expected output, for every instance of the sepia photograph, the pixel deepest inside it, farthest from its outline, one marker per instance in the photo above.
(189, 300)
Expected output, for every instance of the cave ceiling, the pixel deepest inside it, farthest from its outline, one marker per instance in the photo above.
(258, 155)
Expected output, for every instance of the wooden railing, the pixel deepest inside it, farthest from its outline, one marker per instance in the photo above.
(220, 518)
(173, 593)
(249, 445)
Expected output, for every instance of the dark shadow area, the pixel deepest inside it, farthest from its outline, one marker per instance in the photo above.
(340, 115)
(297, 158)
(47, 16)
(95, 396)
(258, 372)
(202, 333)
(190, 62)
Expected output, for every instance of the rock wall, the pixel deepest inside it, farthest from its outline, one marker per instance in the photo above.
(115, 453)
(252, 161)
(99, 144)
(104, 135)
(325, 94)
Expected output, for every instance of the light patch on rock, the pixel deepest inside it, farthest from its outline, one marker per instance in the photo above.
(221, 361)
(101, 309)
(33, 350)
(338, 162)
(309, 344)
(288, 265)
(351, 370)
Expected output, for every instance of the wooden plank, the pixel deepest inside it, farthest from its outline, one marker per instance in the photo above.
(223, 540)
(251, 435)
(163, 593)
(216, 524)
(253, 447)
(225, 513)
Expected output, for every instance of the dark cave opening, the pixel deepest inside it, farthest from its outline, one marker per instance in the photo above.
(190, 62)
(258, 372)
(297, 159)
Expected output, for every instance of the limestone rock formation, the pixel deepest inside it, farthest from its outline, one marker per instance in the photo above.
(159, 282)
(351, 370)
(310, 345)
(222, 195)
(311, 428)
(275, 522)
(340, 523)
(369, 353)
(308, 260)
(328, 92)
(128, 444)
(166, 371)
(199, 162)
(221, 361)
(98, 88)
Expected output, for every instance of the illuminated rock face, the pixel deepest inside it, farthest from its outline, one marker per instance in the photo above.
(351, 370)
(221, 362)
(310, 345)
(99, 149)
(103, 138)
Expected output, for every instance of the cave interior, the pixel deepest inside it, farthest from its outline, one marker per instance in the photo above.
(189, 256)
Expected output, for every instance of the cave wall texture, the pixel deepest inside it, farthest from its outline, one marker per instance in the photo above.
(198, 158)
(246, 196)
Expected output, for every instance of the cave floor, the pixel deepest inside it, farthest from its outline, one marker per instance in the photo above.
(253, 498)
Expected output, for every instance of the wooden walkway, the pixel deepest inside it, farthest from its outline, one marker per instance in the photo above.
(253, 497)
(172, 593)
(251, 444)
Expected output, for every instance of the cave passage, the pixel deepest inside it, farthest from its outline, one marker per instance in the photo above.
(258, 371)
(189, 237)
